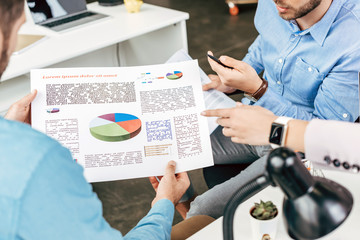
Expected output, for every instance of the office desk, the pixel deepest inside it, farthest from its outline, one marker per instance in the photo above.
(125, 39)
(242, 227)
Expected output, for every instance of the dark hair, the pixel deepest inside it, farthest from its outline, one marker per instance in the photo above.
(10, 12)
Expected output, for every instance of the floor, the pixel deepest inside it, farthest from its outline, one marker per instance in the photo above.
(210, 27)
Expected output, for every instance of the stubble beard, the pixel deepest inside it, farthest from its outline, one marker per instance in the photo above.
(301, 12)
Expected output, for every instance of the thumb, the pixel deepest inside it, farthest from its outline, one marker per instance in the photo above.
(170, 168)
(28, 98)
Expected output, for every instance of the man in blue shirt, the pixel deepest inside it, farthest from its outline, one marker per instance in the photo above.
(309, 52)
(43, 193)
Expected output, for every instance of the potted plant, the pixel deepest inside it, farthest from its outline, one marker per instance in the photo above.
(264, 218)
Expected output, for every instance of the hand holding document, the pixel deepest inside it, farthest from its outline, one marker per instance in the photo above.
(126, 122)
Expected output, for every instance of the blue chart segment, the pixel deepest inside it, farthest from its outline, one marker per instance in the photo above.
(115, 127)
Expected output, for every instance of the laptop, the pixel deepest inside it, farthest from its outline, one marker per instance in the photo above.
(60, 15)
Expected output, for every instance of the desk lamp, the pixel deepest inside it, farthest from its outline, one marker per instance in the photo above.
(312, 206)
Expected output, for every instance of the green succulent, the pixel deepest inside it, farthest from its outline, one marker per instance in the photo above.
(264, 210)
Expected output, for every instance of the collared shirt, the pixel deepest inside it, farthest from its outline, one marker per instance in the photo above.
(44, 195)
(311, 73)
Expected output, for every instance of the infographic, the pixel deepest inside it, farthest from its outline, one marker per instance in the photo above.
(125, 122)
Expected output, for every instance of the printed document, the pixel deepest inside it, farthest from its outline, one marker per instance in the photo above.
(125, 122)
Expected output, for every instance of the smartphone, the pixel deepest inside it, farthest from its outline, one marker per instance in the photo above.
(218, 61)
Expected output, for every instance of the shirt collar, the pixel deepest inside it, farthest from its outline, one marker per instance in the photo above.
(320, 30)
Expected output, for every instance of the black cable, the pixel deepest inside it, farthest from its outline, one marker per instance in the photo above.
(242, 194)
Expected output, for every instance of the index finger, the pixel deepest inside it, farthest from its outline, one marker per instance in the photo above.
(223, 113)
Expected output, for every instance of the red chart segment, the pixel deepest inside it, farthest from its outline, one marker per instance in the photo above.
(132, 126)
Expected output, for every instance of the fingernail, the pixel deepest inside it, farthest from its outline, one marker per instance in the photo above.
(172, 163)
(210, 52)
(222, 59)
(203, 113)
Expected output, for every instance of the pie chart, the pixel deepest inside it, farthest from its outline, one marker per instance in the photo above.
(174, 76)
(115, 127)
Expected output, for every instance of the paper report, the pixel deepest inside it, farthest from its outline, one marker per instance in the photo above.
(125, 122)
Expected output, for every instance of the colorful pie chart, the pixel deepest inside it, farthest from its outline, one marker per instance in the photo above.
(115, 127)
(174, 76)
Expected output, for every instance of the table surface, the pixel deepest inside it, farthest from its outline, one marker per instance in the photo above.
(120, 26)
(242, 228)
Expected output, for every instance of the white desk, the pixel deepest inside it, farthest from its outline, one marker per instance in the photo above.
(242, 227)
(148, 37)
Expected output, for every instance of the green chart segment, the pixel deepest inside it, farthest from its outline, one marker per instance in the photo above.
(115, 127)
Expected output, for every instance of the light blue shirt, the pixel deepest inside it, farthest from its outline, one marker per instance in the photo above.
(311, 73)
(43, 194)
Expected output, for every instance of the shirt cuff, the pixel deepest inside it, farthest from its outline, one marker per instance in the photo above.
(164, 207)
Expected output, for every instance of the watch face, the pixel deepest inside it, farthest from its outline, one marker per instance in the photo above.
(276, 133)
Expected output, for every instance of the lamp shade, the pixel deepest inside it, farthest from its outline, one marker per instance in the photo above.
(313, 206)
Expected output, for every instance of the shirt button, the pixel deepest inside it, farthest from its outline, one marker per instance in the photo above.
(296, 35)
(280, 60)
(278, 82)
(345, 115)
(309, 69)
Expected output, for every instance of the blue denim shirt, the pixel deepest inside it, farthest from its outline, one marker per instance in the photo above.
(44, 195)
(311, 73)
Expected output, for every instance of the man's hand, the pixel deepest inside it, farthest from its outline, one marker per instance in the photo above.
(172, 186)
(20, 111)
(217, 84)
(242, 77)
(244, 124)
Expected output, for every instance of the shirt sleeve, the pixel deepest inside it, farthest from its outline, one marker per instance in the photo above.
(253, 57)
(337, 97)
(337, 140)
(60, 204)
(156, 224)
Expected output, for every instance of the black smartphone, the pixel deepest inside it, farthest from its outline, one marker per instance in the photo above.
(218, 61)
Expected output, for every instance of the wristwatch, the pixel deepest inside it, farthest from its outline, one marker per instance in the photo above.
(278, 132)
(259, 93)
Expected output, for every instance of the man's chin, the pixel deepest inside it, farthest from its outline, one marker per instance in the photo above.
(287, 17)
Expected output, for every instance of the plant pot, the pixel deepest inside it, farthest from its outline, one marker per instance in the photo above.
(133, 6)
(263, 229)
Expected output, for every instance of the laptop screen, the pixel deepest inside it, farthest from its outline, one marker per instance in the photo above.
(45, 10)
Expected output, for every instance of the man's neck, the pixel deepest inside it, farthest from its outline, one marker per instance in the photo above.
(314, 16)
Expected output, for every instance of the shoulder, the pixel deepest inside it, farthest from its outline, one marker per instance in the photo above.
(22, 150)
(350, 10)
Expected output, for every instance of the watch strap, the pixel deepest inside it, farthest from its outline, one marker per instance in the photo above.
(258, 93)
